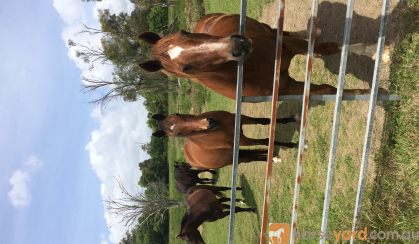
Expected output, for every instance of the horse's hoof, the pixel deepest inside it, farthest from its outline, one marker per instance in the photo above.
(276, 159)
(318, 32)
(254, 210)
(386, 55)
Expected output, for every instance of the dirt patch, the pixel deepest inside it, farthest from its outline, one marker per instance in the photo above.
(365, 26)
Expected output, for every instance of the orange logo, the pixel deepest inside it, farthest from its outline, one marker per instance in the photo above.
(279, 233)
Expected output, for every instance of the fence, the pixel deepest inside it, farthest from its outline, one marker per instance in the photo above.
(306, 98)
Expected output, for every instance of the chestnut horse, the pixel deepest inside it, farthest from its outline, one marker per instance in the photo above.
(209, 56)
(209, 137)
(203, 206)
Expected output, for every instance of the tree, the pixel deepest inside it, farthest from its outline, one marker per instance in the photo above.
(152, 204)
(90, 55)
(126, 85)
(153, 171)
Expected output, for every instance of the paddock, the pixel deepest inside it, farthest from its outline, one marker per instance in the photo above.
(316, 143)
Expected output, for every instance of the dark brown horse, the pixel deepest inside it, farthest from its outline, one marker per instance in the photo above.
(209, 56)
(209, 137)
(186, 177)
(203, 206)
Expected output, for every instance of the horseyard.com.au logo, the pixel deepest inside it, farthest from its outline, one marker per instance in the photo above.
(279, 233)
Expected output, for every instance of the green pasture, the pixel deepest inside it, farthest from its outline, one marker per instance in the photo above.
(390, 201)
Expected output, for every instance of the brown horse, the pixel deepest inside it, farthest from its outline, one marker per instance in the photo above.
(209, 137)
(186, 177)
(208, 56)
(203, 206)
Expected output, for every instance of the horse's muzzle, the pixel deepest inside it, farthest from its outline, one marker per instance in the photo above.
(241, 46)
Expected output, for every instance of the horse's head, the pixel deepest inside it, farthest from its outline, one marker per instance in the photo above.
(185, 54)
(183, 124)
(189, 233)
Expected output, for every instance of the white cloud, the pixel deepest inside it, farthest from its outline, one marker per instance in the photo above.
(114, 153)
(103, 239)
(74, 13)
(33, 163)
(19, 194)
(113, 148)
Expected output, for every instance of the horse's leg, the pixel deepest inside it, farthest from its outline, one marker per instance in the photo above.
(225, 188)
(297, 88)
(205, 180)
(246, 156)
(245, 141)
(239, 209)
(369, 50)
(213, 172)
(329, 48)
(226, 199)
(223, 214)
(265, 121)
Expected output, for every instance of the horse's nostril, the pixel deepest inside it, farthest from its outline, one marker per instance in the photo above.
(241, 46)
(212, 123)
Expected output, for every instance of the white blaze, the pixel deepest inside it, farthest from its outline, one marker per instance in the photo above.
(175, 51)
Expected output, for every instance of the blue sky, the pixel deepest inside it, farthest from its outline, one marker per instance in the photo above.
(58, 154)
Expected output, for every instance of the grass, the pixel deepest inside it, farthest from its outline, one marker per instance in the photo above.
(394, 200)
(254, 8)
(390, 200)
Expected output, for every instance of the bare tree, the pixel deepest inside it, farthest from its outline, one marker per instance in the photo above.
(154, 203)
(128, 89)
(89, 30)
(89, 55)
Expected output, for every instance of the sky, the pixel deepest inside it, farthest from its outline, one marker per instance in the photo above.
(59, 155)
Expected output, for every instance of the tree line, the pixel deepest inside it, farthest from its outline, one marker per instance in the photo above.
(121, 48)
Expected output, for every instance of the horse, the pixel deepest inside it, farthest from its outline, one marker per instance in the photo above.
(209, 56)
(186, 177)
(209, 137)
(203, 206)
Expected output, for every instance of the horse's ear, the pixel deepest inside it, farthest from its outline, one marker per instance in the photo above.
(159, 133)
(158, 117)
(151, 65)
(149, 37)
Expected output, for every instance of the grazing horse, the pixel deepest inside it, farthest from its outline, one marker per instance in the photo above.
(186, 177)
(209, 137)
(209, 55)
(203, 206)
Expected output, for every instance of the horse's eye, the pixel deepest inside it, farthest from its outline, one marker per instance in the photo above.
(187, 67)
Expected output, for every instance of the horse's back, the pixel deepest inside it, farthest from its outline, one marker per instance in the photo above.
(196, 195)
(227, 24)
